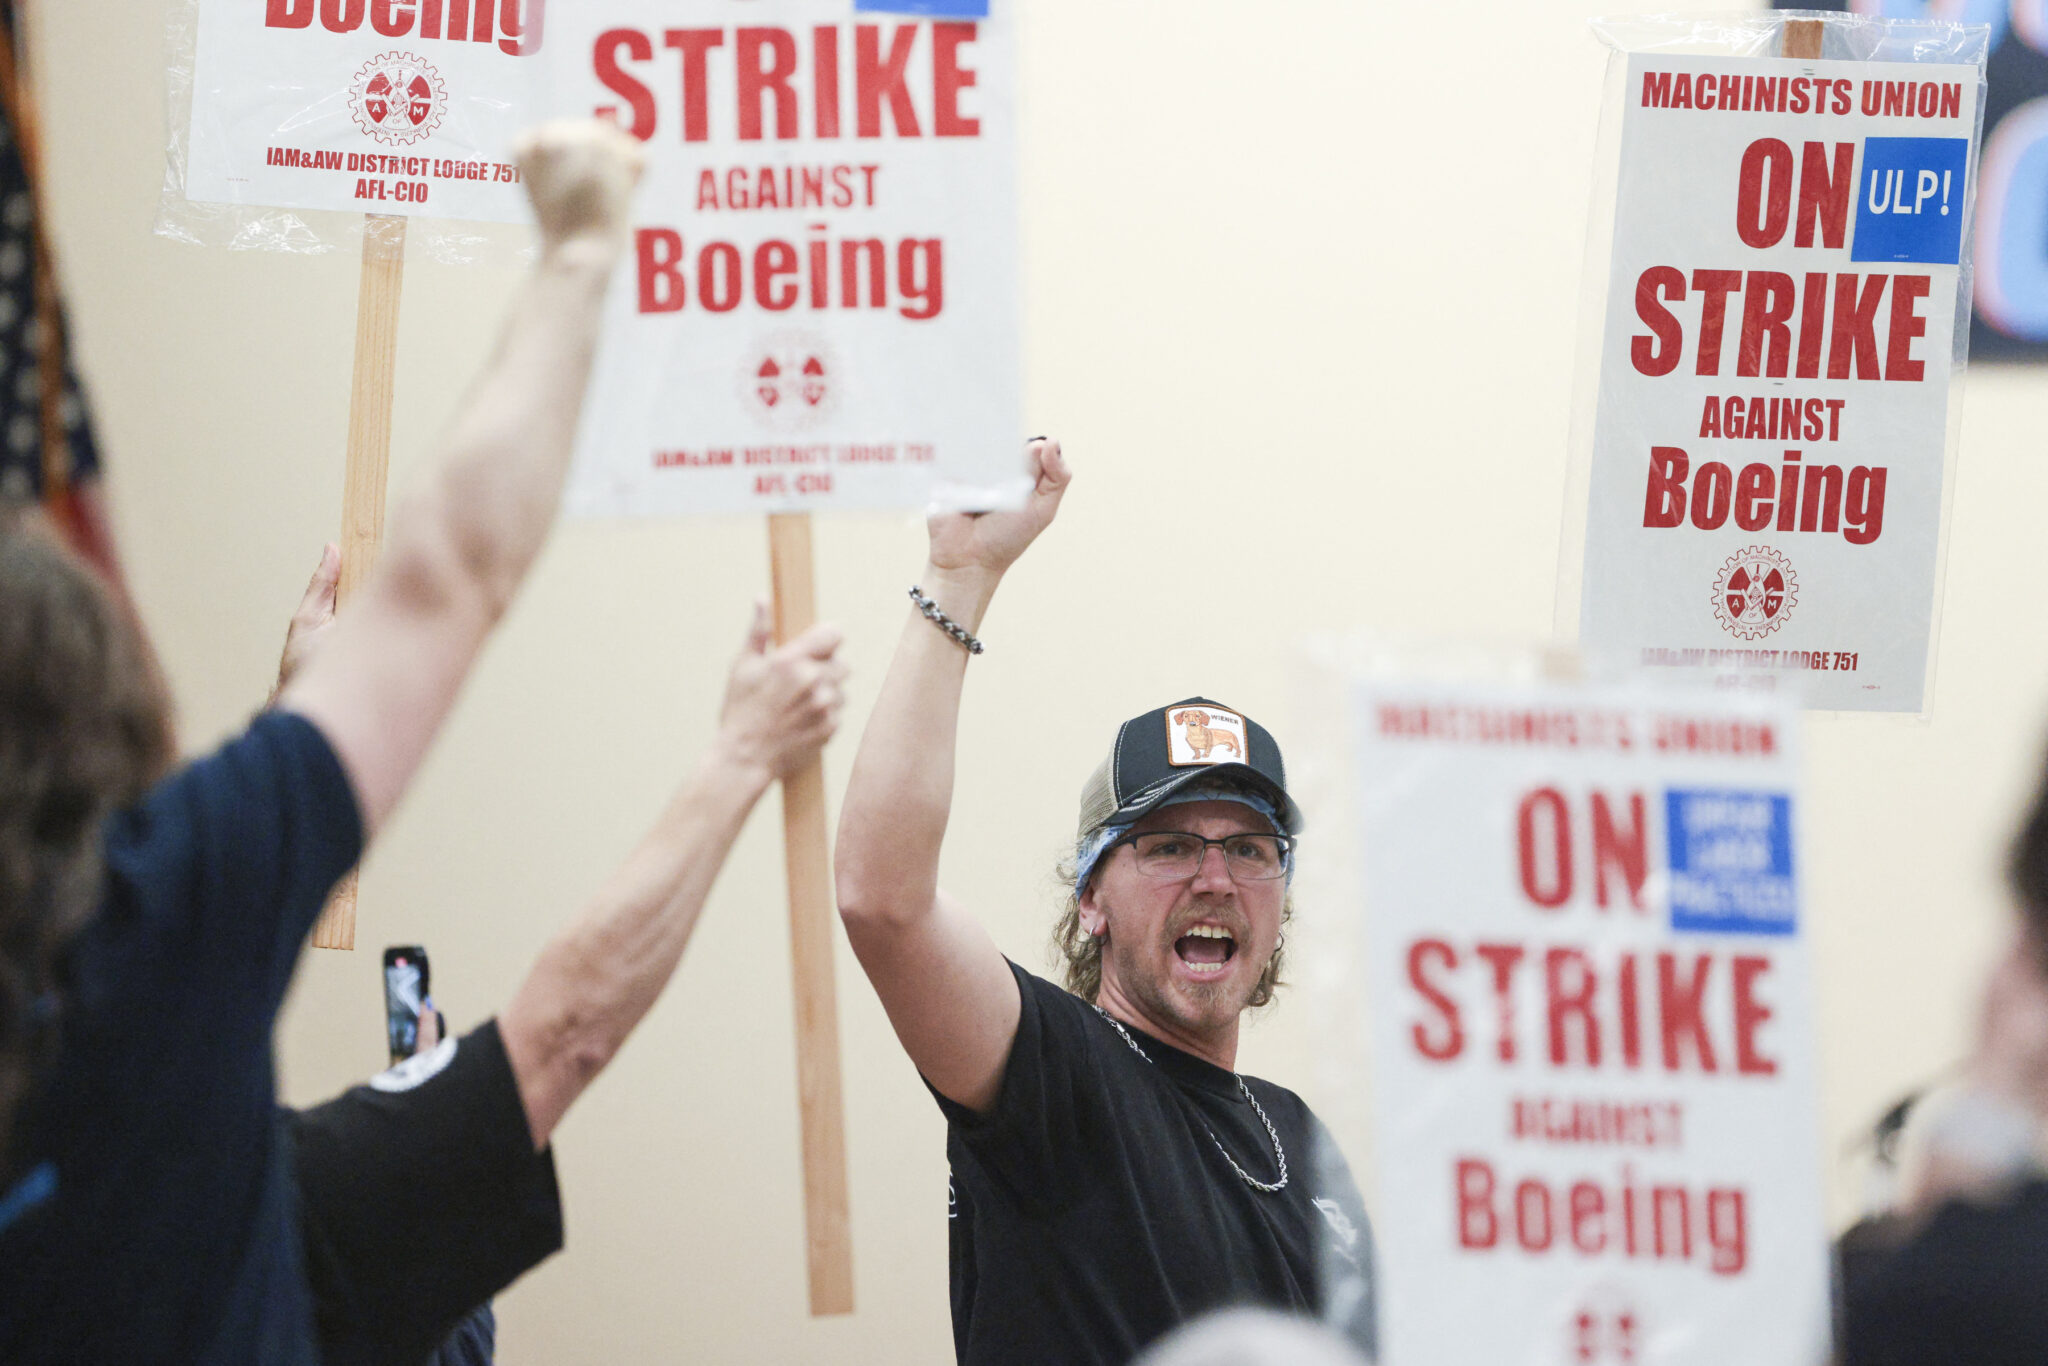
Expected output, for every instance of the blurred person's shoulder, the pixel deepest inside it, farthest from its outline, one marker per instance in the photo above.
(1969, 1282)
(277, 781)
(168, 1234)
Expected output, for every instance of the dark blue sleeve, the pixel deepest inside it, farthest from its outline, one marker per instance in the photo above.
(1964, 1285)
(232, 857)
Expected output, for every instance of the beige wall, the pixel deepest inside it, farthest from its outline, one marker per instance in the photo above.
(1301, 292)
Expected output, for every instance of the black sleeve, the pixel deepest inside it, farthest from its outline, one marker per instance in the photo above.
(247, 843)
(1048, 1108)
(420, 1204)
(1968, 1286)
(1348, 1285)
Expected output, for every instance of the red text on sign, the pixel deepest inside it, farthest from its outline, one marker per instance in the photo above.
(787, 187)
(1763, 197)
(1800, 95)
(1772, 418)
(1650, 1010)
(514, 25)
(1759, 496)
(1619, 1123)
(778, 275)
(1665, 1221)
(1544, 839)
(1773, 303)
(770, 74)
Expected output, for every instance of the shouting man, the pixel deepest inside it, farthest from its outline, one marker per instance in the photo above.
(1112, 1174)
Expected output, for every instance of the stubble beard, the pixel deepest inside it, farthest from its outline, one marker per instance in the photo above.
(1196, 1007)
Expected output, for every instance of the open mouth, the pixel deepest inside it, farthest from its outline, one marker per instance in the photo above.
(1206, 948)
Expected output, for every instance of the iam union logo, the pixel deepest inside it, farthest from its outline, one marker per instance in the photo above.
(1755, 592)
(398, 98)
(791, 381)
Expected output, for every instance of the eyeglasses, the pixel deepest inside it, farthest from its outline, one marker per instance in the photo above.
(1169, 854)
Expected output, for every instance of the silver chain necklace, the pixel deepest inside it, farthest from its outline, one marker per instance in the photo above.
(1279, 1153)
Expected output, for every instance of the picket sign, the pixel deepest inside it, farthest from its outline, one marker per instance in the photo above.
(1771, 520)
(1594, 1083)
(820, 314)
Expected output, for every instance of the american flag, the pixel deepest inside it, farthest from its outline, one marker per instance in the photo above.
(47, 451)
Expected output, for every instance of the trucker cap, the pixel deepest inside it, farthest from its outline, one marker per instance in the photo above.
(1193, 741)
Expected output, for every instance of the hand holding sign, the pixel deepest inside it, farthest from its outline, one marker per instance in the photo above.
(311, 622)
(782, 705)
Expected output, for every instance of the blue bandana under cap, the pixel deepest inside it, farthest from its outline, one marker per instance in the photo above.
(1092, 850)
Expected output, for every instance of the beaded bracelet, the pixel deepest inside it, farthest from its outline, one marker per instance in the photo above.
(943, 622)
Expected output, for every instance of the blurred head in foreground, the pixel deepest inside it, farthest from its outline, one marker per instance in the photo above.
(1251, 1337)
(2028, 870)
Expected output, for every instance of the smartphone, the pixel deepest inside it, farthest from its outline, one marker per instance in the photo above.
(405, 988)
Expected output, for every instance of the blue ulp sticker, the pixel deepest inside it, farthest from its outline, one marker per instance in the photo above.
(1731, 862)
(942, 9)
(1909, 204)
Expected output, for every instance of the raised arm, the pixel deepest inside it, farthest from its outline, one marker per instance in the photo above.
(592, 985)
(459, 547)
(944, 984)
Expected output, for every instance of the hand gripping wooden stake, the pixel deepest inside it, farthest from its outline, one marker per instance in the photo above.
(828, 1229)
(369, 461)
(1802, 38)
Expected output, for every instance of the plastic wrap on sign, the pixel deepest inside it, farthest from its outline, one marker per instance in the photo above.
(1774, 329)
(291, 120)
(1563, 976)
(821, 306)
(957, 9)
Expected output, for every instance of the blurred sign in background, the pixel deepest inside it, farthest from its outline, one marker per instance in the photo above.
(2011, 243)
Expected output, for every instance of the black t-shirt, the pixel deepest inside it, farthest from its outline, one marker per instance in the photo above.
(171, 1235)
(420, 1196)
(1092, 1212)
(1969, 1287)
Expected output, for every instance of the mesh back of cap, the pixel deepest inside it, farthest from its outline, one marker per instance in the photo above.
(1098, 803)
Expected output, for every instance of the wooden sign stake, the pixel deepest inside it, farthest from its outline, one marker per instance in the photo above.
(1802, 38)
(827, 1225)
(369, 460)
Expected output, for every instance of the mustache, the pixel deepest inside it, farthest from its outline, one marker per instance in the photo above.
(1222, 913)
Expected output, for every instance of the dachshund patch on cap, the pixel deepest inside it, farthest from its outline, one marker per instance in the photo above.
(1204, 735)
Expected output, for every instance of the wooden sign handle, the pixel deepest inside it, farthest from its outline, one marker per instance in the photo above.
(1802, 38)
(828, 1226)
(369, 461)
